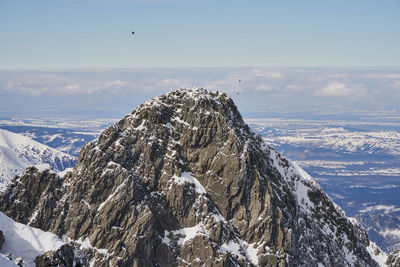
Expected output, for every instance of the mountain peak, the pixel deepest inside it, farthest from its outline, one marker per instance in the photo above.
(183, 180)
(196, 102)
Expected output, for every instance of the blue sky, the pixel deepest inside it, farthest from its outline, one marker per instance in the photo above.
(49, 34)
(78, 57)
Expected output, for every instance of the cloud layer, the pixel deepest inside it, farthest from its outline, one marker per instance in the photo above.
(253, 89)
(59, 85)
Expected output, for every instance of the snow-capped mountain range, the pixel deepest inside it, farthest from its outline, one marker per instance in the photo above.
(338, 136)
(18, 152)
(69, 141)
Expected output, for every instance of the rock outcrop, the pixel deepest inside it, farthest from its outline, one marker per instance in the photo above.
(181, 181)
(63, 257)
(394, 259)
(33, 194)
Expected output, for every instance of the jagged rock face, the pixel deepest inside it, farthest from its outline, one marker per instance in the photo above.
(63, 257)
(32, 197)
(394, 259)
(182, 180)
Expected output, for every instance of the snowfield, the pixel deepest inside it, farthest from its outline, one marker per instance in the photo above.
(25, 241)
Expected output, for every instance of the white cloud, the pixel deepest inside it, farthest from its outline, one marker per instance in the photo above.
(271, 75)
(274, 75)
(287, 87)
(339, 89)
(293, 87)
(64, 86)
(26, 88)
(396, 86)
(169, 83)
(264, 87)
(337, 75)
(73, 87)
(393, 76)
(229, 83)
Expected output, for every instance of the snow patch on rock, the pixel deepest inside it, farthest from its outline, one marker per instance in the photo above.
(186, 177)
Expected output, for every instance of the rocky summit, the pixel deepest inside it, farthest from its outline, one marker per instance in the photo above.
(183, 181)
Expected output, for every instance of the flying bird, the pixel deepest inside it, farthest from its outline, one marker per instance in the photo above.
(133, 33)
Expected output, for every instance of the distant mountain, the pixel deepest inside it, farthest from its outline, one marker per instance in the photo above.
(18, 152)
(183, 181)
(66, 140)
(342, 139)
(356, 163)
(383, 225)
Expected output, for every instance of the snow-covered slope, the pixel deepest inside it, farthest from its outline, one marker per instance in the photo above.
(25, 241)
(18, 152)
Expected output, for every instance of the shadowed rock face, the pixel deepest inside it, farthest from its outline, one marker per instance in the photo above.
(63, 257)
(182, 180)
(28, 192)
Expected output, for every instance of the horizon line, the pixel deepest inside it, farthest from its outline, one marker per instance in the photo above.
(189, 67)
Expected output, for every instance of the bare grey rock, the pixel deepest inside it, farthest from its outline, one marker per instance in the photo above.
(32, 197)
(181, 181)
(63, 257)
